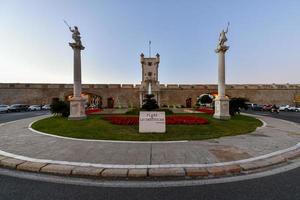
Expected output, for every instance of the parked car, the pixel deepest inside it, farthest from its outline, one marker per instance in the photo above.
(4, 108)
(284, 108)
(34, 107)
(297, 109)
(257, 107)
(18, 108)
(46, 107)
(250, 105)
(292, 108)
(267, 107)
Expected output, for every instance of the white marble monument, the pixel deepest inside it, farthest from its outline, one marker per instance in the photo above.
(221, 101)
(77, 109)
(152, 122)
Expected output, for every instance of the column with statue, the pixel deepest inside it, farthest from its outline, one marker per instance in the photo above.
(222, 101)
(77, 108)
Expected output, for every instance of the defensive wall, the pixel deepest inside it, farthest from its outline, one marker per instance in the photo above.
(127, 95)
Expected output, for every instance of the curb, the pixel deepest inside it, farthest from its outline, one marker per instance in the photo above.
(207, 172)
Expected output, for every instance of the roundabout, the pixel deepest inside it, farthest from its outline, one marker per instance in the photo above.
(275, 143)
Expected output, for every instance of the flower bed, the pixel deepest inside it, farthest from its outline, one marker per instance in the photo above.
(119, 120)
(189, 120)
(171, 120)
(209, 111)
(92, 110)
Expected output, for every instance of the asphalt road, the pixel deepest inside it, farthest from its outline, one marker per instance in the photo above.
(6, 117)
(290, 116)
(280, 186)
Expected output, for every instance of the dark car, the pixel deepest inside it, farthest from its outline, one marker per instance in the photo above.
(257, 107)
(18, 108)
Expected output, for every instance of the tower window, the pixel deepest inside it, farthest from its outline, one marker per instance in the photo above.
(149, 63)
(149, 73)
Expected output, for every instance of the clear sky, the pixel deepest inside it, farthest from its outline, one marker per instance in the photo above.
(264, 40)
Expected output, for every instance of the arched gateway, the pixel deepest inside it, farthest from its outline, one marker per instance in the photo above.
(90, 100)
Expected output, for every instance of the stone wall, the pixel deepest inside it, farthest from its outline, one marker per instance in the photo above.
(128, 94)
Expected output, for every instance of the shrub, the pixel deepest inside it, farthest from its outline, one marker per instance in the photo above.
(149, 103)
(235, 104)
(59, 107)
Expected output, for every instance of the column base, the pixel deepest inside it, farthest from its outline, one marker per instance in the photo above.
(77, 110)
(222, 109)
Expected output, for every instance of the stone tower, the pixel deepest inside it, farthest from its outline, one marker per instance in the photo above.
(150, 81)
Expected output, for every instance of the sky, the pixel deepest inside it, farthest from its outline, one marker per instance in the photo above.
(264, 40)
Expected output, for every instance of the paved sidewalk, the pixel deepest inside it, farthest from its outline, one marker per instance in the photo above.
(17, 139)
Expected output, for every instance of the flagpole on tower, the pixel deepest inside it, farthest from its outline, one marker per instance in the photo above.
(149, 48)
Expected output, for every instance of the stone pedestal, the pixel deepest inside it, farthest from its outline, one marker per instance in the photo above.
(222, 108)
(77, 110)
(152, 122)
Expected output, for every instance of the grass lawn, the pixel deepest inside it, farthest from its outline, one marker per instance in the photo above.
(94, 127)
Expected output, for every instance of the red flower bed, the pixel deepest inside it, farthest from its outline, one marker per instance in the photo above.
(189, 120)
(123, 120)
(206, 110)
(92, 110)
(184, 120)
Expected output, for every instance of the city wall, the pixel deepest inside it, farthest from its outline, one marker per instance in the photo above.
(127, 95)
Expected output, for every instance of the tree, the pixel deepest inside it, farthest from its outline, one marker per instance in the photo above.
(149, 103)
(59, 107)
(235, 104)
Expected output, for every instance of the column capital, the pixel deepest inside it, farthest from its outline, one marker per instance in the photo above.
(76, 46)
(222, 48)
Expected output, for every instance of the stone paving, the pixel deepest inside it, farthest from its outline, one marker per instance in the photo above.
(174, 159)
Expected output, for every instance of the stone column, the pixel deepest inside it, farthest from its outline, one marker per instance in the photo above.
(77, 109)
(141, 99)
(221, 101)
(158, 99)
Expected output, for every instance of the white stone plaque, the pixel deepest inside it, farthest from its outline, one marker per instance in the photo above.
(152, 122)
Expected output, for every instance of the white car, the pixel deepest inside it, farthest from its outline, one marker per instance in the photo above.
(297, 109)
(292, 108)
(284, 108)
(46, 107)
(34, 107)
(4, 108)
